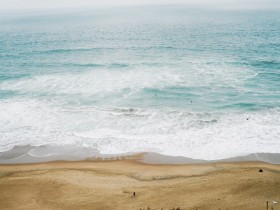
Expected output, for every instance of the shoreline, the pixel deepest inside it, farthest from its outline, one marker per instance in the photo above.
(47, 153)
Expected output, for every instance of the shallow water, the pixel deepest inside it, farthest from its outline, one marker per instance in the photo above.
(197, 83)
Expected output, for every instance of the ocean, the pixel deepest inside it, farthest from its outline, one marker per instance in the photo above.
(179, 81)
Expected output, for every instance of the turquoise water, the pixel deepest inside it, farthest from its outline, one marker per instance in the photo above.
(174, 80)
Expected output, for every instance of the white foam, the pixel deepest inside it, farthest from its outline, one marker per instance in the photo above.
(44, 114)
(101, 83)
(170, 132)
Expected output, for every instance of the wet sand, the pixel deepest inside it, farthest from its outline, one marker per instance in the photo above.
(110, 185)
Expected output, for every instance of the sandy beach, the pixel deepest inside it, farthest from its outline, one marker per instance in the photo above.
(110, 185)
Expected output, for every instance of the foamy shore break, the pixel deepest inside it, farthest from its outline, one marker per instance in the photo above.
(47, 153)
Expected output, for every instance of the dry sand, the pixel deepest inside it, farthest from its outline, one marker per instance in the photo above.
(110, 185)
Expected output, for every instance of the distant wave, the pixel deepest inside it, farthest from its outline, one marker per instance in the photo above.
(4, 77)
(93, 49)
(95, 65)
(270, 75)
(266, 64)
(70, 50)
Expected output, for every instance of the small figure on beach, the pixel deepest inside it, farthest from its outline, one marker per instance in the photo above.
(134, 193)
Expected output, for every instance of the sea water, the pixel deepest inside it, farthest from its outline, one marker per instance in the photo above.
(179, 81)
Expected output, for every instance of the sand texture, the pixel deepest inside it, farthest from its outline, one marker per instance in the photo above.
(106, 185)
